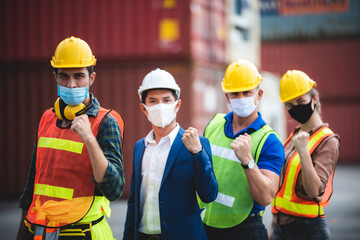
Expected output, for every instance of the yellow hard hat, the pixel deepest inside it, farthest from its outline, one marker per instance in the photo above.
(73, 53)
(240, 76)
(293, 84)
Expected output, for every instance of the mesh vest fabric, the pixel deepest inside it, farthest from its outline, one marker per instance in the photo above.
(234, 201)
(64, 186)
(286, 200)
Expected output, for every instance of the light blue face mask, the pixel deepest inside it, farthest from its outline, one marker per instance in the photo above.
(73, 96)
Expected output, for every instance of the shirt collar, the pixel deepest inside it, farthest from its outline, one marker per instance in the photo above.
(256, 125)
(94, 110)
(171, 136)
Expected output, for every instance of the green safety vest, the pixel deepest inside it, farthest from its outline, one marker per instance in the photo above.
(234, 201)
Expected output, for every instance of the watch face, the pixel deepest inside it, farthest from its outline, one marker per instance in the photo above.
(251, 164)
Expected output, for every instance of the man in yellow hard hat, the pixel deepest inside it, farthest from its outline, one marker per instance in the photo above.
(247, 158)
(76, 167)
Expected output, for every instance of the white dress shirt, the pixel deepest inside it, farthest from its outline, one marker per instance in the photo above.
(152, 171)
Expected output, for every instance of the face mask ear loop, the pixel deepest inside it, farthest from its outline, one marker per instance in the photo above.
(175, 103)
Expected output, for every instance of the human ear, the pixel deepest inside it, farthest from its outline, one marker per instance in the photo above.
(143, 109)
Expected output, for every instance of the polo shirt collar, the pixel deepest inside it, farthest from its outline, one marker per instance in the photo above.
(256, 125)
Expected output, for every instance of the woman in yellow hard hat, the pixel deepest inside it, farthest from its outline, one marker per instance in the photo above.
(311, 152)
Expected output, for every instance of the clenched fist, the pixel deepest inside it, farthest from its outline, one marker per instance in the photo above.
(242, 147)
(82, 126)
(300, 141)
(191, 140)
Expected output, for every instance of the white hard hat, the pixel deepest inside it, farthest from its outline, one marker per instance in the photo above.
(159, 79)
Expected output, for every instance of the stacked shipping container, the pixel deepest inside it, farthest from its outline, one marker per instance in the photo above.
(129, 39)
(322, 39)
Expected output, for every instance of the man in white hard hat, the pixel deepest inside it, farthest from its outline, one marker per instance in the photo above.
(170, 166)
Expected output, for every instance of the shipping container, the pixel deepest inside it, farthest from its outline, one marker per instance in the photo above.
(130, 29)
(208, 30)
(30, 89)
(129, 39)
(309, 19)
(334, 65)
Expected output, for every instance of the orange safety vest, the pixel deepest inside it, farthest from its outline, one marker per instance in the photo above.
(286, 200)
(64, 186)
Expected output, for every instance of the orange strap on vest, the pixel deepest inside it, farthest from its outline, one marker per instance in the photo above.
(120, 122)
(286, 200)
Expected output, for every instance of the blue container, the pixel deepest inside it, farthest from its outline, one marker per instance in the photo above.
(278, 24)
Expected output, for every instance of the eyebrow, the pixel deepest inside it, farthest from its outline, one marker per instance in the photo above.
(299, 100)
(62, 74)
(79, 74)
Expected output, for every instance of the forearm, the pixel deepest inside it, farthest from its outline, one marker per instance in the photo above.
(262, 186)
(205, 181)
(98, 160)
(310, 178)
(109, 141)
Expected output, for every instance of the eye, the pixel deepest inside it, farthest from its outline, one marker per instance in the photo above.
(63, 76)
(288, 106)
(79, 76)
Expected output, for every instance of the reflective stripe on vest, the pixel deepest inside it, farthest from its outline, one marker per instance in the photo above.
(233, 204)
(286, 200)
(64, 186)
(52, 191)
(61, 144)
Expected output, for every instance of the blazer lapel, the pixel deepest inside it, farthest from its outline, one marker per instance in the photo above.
(138, 156)
(173, 153)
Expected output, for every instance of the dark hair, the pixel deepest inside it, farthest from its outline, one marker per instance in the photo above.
(90, 70)
(145, 93)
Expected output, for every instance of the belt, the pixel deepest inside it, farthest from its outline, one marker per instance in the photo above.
(81, 225)
(143, 236)
(83, 229)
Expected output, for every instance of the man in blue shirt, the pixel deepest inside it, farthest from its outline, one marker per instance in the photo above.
(247, 159)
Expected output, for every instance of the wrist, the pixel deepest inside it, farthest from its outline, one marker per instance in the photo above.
(249, 165)
(90, 139)
(196, 152)
(245, 160)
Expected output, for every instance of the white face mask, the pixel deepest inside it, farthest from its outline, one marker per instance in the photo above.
(243, 107)
(161, 114)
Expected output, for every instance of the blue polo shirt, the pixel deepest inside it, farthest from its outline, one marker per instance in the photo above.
(272, 154)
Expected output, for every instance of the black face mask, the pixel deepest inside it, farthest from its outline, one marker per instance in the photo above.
(301, 113)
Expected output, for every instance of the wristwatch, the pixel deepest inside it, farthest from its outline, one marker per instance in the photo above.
(249, 165)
